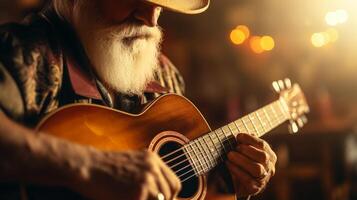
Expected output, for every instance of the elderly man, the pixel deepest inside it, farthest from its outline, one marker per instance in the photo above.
(104, 52)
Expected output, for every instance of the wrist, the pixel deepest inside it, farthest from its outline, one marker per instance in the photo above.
(58, 162)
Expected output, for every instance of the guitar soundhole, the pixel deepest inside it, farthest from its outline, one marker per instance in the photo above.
(175, 158)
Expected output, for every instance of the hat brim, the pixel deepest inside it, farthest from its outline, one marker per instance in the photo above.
(183, 6)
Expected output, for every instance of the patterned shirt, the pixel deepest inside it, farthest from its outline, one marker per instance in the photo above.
(43, 67)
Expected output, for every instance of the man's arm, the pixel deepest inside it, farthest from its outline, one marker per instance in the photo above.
(28, 157)
(47, 160)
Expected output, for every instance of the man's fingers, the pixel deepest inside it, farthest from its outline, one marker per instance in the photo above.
(173, 181)
(163, 185)
(151, 187)
(255, 154)
(251, 185)
(243, 138)
(171, 178)
(255, 169)
(257, 143)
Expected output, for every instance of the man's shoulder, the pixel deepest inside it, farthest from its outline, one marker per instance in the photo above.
(169, 76)
(32, 34)
(29, 55)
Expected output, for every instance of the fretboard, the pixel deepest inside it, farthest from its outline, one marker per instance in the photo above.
(209, 150)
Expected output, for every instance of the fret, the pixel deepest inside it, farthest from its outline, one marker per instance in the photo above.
(233, 128)
(202, 157)
(211, 150)
(261, 123)
(242, 126)
(193, 158)
(282, 111)
(217, 142)
(267, 116)
(258, 122)
(261, 120)
(284, 108)
(199, 160)
(274, 113)
(233, 136)
(224, 149)
(265, 121)
(218, 151)
(206, 155)
(227, 137)
(278, 112)
(238, 128)
(251, 118)
(246, 125)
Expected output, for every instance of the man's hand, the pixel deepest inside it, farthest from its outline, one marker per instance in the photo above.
(128, 175)
(251, 164)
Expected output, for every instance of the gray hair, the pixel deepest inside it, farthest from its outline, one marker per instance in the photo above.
(65, 8)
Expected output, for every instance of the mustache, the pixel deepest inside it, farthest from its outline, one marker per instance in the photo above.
(129, 31)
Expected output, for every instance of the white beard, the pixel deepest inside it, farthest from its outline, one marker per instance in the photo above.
(123, 63)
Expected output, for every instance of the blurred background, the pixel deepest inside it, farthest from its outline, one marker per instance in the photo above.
(229, 56)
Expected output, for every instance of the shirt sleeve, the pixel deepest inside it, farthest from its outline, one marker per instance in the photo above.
(10, 98)
(29, 80)
(169, 77)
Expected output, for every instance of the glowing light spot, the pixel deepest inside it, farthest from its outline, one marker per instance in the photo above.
(237, 37)
(254, 43)
(244, 29)
(318, 39)
(267, 43)
(327, 38)
(333, 34)
(331, 18)
(341, 16)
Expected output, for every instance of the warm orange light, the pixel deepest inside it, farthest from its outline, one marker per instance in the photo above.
(254, 43)
(237, 36)
(318, 39)
(333, 34)
(267, 43)
(244, 29)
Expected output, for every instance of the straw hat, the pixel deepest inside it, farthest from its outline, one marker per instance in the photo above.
(183, 6)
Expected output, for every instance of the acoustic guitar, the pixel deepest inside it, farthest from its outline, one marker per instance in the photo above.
(175, 129)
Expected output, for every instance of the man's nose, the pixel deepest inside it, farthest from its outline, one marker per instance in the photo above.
(148, 14)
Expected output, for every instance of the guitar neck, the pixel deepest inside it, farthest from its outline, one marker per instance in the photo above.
(209, 150)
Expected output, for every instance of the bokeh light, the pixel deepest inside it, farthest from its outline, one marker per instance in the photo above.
(331, 19)
(333, 34)
(267, 43)
(337, 17)
(255, 45)
(244, 29)
(237, 36)
(318, 39)
(341, 16)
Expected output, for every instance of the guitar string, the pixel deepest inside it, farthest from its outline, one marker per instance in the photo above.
(181, 148)
(194, 174)
(236, 125)
(221, 131)
(203, 167)
(276, 120)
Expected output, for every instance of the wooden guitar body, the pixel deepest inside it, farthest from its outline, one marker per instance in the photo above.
(175, 129)
(166, 124)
